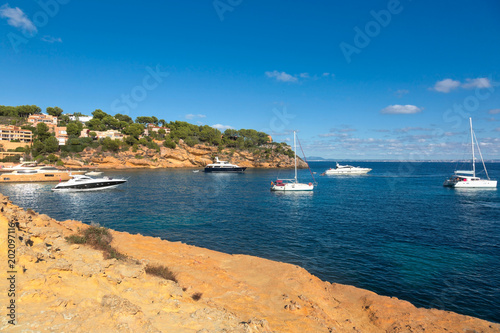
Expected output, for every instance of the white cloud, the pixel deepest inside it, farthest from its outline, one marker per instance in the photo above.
(281, 76)
(401, 92)
(401, 109)
(192, 116)
(446, 85)
(221, 127)
(304, 75)
(409, 129)
(50, 39)
(17, 18)
(494, 111)
(480, 82)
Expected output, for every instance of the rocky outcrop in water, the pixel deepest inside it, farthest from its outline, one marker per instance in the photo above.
(62, 287)
(182, 156)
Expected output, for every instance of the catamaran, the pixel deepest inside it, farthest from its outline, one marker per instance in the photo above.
(467, 178)
(291, 184)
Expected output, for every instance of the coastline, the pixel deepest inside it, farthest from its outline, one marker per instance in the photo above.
(69, 287)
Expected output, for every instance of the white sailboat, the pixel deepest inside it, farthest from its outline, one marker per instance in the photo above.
(467, 178)
(291, 184)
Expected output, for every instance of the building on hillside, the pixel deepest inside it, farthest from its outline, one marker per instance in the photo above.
(11, 132)
(112, 134)
(269, 139)
(61, 135)
(153, 128)
(49, 120)
(82, 119)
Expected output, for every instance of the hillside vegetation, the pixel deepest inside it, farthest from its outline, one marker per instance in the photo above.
(138, 136)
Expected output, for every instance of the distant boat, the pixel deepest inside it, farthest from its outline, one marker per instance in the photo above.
(195, 171)
(86, 183)
(223, 166)
(467, 178)
(94, 173)
(291, 184)
(347, 170)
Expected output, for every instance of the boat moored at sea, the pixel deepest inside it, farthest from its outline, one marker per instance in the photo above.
(223, 166)
(86, 183)
(468, 178)
(287, 185)
(35, 174)
(347, 170)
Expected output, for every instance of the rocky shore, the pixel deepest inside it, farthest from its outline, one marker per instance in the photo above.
(62, 287)
(182, 156)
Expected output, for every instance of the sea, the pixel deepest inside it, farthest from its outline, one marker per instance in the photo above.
(395, 231)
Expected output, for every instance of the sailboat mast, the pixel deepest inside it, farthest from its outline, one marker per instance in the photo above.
(295, 155)
(472, 147)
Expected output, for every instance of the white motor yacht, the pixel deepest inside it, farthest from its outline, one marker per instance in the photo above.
(86, 183)
(223, 166)
(347, 170)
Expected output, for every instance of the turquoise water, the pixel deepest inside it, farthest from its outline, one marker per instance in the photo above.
(396, 231)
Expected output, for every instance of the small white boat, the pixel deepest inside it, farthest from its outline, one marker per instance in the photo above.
(347, 170)
(86, 183)
(287, 185)
(467, 178)
(94, 173)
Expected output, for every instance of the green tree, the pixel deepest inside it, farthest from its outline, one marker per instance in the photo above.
(26, 110)
(125, 118)
(51, 145)
(42, 132)
(93, 135)
(134, 130)
(99, 114)
(95, 124)
(54, 111)
(169, 143)
(144, 120)
(73, 129)
(111, 145)
(111, 122)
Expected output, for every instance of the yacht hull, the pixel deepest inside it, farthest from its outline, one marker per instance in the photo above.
(471, 184)
(35, 177)
(239, 169)
(348, 172)
(292, 187)
(93, 186)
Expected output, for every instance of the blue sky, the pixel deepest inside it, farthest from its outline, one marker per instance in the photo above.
(357, 80)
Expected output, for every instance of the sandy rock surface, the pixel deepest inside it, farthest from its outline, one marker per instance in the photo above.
(62, 287)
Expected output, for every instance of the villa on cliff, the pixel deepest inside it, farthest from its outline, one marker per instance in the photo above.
(154, 128)
(112, 134)
(10, 132)
(49, 120)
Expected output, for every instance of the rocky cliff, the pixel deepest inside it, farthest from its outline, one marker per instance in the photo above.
(62, 287)
(182, 156)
